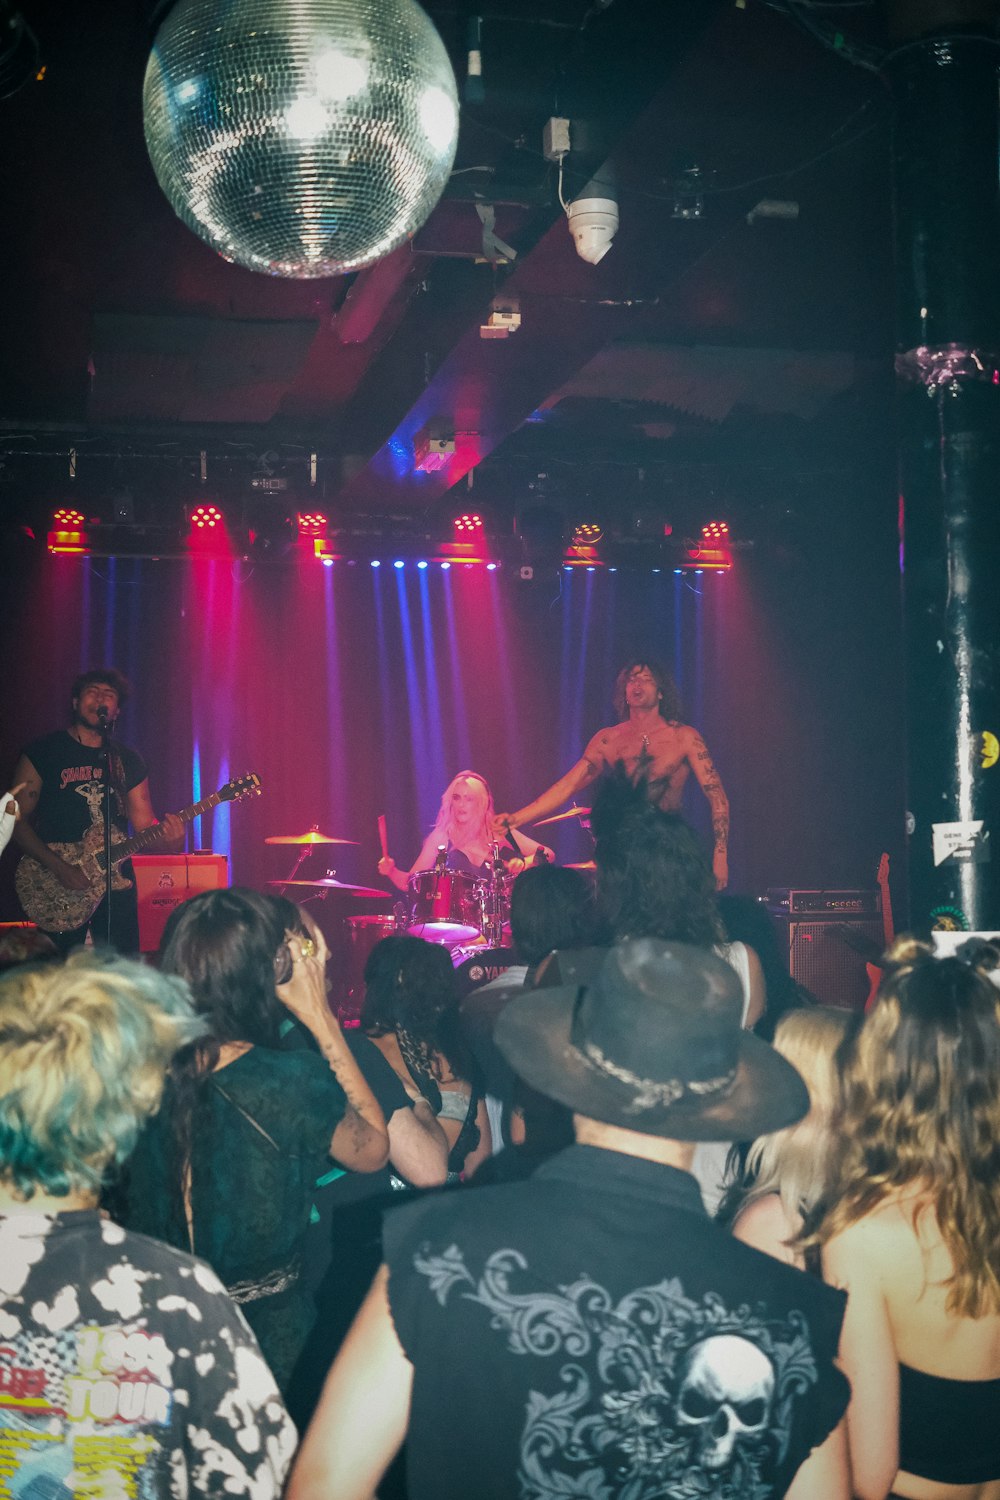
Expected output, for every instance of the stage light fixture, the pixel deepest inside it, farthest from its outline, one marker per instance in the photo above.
(432, 453)
(312, 523)
(67, 519)
(421, 564)
(398, 563)
(445, 567)
(206, 518)
(587, 534)
(716, 532)
(469, 523)
(376, 563)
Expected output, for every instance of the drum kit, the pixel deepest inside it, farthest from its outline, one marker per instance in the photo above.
(464, 912)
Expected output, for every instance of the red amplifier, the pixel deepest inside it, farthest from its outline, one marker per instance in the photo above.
(163, 881)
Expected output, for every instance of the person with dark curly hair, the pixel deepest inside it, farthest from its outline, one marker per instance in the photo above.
(654, 747)
(65, 779)
(911, 1229)
(410, 1012)
(228, 1167)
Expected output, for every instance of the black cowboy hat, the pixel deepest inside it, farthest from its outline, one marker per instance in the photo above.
(650, 1039)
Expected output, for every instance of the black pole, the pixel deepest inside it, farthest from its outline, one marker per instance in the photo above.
(948, 405)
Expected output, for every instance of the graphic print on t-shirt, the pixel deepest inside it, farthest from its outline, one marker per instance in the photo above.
(659, 1393)
(125, 1371)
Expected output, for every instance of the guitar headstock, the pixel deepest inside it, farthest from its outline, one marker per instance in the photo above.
(240, 787)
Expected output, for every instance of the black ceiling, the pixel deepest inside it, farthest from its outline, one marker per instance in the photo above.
(703, 357)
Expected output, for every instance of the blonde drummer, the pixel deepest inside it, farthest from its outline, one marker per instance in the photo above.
(462, 830)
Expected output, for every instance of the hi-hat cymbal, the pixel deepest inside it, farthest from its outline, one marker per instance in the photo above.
(329, 884)
(312, 837)
(571, 812)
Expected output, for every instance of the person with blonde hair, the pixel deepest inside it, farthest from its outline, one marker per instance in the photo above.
(463, 829)
(124, 1367)
(912, 1230)
(785, 1173)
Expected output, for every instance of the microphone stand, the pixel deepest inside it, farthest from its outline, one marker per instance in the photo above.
(107, 727)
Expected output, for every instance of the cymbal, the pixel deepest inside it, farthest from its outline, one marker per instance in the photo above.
(571, 812)
(329, 884)
(312, 837)
(587, 865)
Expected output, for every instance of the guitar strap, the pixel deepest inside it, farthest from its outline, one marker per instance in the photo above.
(117, 772)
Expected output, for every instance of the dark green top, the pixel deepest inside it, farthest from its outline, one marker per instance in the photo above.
(261, 1141)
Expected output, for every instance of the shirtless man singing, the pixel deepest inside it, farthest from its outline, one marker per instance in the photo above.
(650, 741)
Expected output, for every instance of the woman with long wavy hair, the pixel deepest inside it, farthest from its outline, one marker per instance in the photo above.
(228, 1168)
(912, 1231)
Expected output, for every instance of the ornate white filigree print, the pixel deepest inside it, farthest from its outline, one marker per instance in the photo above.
(656, 1396)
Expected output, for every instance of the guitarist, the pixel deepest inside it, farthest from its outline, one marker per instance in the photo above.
(64, 777)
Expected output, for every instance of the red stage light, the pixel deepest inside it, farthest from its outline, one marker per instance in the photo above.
(468, 521)
(312, 523)
(66, 518)
(715, 531)
(205, 518)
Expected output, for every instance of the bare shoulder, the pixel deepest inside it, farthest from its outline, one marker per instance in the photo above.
(689, 737)
(882, 1242)
(765, 1225)
(603, 743)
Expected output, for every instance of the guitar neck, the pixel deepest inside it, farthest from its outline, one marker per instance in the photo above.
(155, 830)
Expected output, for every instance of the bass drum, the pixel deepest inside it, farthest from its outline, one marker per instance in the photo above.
(360, 936)
(446, 906)
(478, 965)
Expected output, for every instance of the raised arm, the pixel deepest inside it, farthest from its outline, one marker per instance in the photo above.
(424, 861)
(581, 775)
(361, 1139)
(9, 813)
(707, 777)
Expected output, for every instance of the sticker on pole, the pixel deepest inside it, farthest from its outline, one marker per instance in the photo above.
(960, 844)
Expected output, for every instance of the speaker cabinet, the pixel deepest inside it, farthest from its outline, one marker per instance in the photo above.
(828, 957)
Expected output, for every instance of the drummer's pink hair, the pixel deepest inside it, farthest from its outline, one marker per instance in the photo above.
(442, 824)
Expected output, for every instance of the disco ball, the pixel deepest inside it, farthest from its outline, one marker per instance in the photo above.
(300, 138)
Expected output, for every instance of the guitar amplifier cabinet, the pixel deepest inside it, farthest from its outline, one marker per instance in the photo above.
(828, 956)
(163, 881)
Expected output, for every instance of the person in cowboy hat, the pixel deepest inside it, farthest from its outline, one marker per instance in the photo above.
(590, 1332)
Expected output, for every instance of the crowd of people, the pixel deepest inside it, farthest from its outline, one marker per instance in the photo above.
(581, 1231)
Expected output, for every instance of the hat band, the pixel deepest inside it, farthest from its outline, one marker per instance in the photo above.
(651, 1093)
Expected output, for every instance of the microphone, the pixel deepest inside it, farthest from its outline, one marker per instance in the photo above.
(102, 713)
(442, 859)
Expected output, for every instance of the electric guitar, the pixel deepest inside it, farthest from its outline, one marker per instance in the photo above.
(888, 933)
(55, 909)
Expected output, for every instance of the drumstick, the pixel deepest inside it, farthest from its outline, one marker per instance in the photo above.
(382, 836)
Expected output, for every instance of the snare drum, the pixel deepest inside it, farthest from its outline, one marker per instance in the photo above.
(445, 906)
